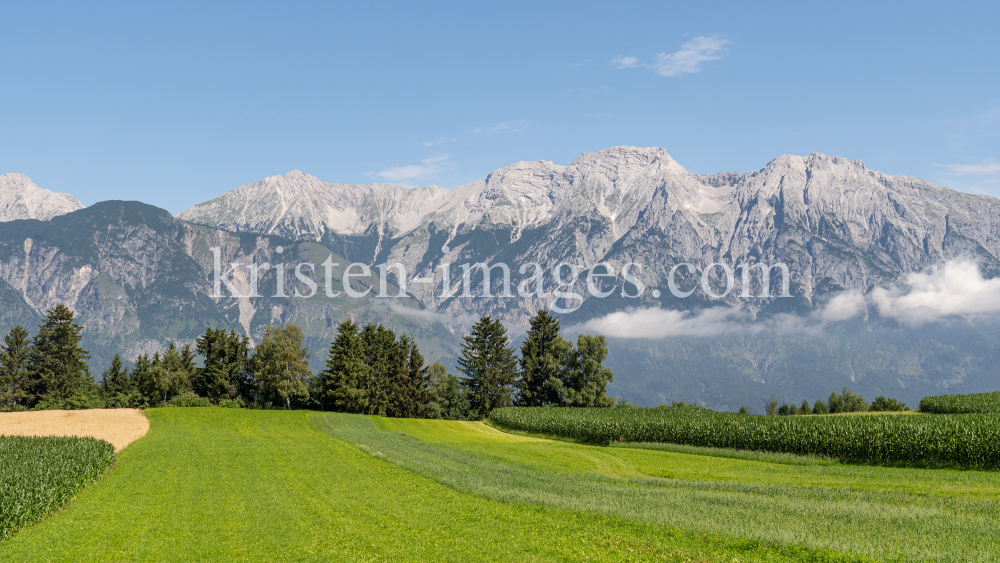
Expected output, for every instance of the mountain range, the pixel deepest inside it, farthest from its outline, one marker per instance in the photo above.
(138, 276)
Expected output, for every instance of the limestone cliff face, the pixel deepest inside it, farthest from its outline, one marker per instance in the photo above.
(138, 277)
(301, 206)
(20, 198)
(837, 224)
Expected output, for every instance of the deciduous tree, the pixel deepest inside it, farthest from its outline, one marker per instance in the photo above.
(281, 366)
(585, 378)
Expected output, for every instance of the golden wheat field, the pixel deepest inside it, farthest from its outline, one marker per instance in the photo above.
(120, 427)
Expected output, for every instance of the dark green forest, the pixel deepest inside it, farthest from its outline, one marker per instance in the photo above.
(369, 370)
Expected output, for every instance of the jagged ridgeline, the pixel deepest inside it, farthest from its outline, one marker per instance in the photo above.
(137, 276)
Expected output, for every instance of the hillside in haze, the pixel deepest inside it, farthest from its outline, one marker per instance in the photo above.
(890, 277)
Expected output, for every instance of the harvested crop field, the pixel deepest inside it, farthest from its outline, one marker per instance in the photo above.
(120, 427)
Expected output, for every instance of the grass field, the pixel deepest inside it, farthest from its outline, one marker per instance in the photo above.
(235, 485)
(945, 515)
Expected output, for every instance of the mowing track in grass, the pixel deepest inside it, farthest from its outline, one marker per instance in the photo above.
(879, 511)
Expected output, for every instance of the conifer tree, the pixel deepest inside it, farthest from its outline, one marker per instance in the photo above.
(119, 387)
(543, 355)
(410, 397)
(187, 359)
(14, 375)
(226, 371)
(346, 373)
(380, 345)
(143, 380)
(57, 363)
(115, 378)
(489, 366)
(419, 395)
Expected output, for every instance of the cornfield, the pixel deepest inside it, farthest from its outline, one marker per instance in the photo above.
(960, 404)
(40, 475)
(968, 440)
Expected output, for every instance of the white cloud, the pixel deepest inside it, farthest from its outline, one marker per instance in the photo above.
(439, 141)
(515, 126)
(955, 288)
(511, 126)
(987, 167)
(844, 306)
(460, 320)
(626, 62)
(692, 54)
(686, 61)
(655, 323)
(426, 167)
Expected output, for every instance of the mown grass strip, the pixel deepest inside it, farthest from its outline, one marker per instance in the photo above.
(880, 512)
(964, 440)
(210, 484)
(38, 476)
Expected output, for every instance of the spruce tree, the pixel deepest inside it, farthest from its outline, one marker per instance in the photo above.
(57, 363)
(344, 381)
(187, 359)
(14, 375)
(114, 378)
(143, 380)
(543, 354)
(380, 348)
(410, 397)
(119, 387)
(419, 396)
(489, 366)
(226, 371)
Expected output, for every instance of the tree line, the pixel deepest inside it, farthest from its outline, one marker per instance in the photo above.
(844, 402)
(369, 370)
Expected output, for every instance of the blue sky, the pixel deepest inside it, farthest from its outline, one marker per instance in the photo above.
(175, 103)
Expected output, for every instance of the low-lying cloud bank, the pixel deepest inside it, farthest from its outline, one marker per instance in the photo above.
(427, 315)
(955, 288)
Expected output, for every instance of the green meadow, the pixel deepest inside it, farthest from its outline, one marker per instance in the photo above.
(210, 484)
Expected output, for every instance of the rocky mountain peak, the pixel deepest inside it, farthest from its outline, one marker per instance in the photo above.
(20, 198)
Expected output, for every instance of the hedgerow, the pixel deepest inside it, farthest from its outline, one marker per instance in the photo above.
(967, 440)
(40, 475)
(958, 404)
